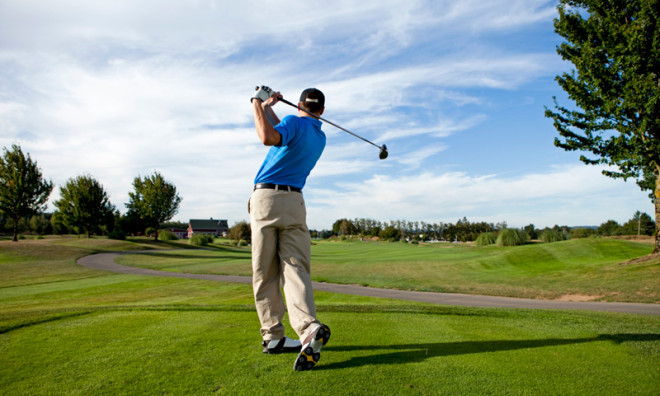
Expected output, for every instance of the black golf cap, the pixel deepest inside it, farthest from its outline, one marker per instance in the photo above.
(312, 99)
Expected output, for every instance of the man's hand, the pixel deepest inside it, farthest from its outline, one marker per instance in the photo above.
(262, 93)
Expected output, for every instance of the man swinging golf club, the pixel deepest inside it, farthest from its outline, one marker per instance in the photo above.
(281, 244)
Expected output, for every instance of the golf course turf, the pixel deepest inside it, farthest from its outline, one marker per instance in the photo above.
(68, 329)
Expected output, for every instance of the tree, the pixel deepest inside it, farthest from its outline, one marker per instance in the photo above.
(582, 232)
(39, 224)
(344, 227)
(84, 205)
(614, 46)
(609, 228)
(23, 192)
(390, 233)
(511, 237)
(154, 200)
(57, 224)
(241, 231)
(640, 224)
(531, 231)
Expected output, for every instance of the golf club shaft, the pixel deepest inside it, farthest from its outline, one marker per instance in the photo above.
(329, 122)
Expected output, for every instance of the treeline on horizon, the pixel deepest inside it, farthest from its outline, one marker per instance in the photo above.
(461, 231)
(465, 231)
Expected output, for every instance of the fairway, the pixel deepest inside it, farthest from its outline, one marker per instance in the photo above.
(67, 329)
(589, 269)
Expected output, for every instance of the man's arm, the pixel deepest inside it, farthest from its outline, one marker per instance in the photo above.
(270, 114)
(263, 116)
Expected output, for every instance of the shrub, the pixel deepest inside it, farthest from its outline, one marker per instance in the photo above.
(553, 236)
(390, 234)
(117, 234)
(167, 235)
(201, 240)
(511, 237)
(485, 239)
(242, 243)
(582, 233)
(240, 231)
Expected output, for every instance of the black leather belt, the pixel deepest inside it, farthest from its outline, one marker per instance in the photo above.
(277, 187)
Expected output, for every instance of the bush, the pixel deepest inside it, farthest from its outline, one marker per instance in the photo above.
(390, 234)
(240, 231)
(582, 233)
(610, 228)
(201, 240)
(512, 237)
(167, 235)
(117, 234)
(553, 236)
(242, 243)
(485, 239)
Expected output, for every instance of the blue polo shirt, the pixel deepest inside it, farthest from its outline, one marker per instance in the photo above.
(291, 162)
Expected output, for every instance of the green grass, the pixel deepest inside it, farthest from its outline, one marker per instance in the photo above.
(65, 329)
(589, 267)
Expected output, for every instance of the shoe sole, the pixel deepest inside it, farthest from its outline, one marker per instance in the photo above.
(280, 348)
(311, 352)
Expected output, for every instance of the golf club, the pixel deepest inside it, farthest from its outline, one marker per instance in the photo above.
(383, 149)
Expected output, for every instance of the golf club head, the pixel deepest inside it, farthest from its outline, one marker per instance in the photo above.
(383, 152)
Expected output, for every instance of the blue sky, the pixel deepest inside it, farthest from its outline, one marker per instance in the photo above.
(456, 89)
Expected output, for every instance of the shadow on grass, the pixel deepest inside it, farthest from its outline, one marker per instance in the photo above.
(72, 313)
(412, 353)
(159, 244)
(170, 255)
(47, 319)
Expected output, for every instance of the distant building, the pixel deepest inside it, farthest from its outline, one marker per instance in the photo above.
(208, 227)
(179, 232)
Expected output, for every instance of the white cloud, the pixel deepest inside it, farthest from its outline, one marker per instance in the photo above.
(567, 195)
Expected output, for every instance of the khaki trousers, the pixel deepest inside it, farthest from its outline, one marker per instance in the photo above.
(281, 252)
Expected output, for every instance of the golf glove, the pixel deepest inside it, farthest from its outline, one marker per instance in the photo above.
(263, 93)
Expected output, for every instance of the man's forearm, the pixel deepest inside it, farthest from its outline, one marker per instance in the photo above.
(270, 114)
(267, 134)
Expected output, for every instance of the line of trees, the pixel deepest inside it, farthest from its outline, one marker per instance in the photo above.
(465, 231)
(84, 206)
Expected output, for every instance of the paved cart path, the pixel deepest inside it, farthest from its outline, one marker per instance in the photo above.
(106, 261)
